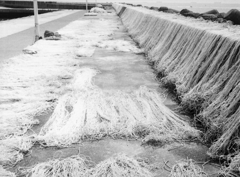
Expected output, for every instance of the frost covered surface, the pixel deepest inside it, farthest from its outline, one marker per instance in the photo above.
(234, 167)
(32, 82)
(201, 59)
(5, 173)
(97, 10)
(9, 27)
(56, 76)
(12, 149)
(223, 29)
(89, 113)
(71, 166)
(119, 45)
(187, 168)
(85, 52)
(118, 165)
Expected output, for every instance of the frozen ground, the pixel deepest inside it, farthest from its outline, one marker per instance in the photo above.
(92, 85)
(16, 25)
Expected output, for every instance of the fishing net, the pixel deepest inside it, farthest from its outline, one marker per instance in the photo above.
(13, 149)
(29, 87)
(89, 37)
(199, 60)
(89, 32)
(119, 45)
(118, 165)
(233, 168)
(235, 164)
(187, 168)
(85, 52)
(69, 167)
(31, 83)
(89, 113)
(30, 50)
(97, 10)
(5, 173)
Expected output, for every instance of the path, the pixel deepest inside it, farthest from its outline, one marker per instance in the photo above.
(12, 45)
(106, 91)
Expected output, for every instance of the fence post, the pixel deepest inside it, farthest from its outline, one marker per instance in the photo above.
(87, 5)
(37, 33)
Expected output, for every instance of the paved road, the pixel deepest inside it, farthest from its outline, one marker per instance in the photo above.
(12, 45)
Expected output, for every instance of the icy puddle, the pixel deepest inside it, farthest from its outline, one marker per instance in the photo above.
(103, 94)
(98, 151)
(120, 70)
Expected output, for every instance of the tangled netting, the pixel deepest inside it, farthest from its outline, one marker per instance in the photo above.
(119, 45)
(12, 149)
(29, 87)
(97, 10)
(121, 165)
(116, 166)
(89, 113)
(5, 173)
(70, 167)
(187, 168)
(233, 168)
(200, 61)
(31, 83)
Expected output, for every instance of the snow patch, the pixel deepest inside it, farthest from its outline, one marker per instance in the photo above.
(85, 52)
(97, 10)
(119, 45)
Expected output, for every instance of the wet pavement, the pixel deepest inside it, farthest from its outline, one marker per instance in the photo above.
(13, 45)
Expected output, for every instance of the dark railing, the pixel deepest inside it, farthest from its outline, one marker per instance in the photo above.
(49, 5)
(18, 13)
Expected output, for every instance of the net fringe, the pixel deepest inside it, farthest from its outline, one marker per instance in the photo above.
(187, 168)
(13, 149)
(5, 173)
(69, 167)
(233, 168)
(201, 60)
(30, 84)
(119, 45)
(118, 165)
(97, 10)
(89, 113)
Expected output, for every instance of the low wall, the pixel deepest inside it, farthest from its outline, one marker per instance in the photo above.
(50, 5)
(200, 59)
(18, 13)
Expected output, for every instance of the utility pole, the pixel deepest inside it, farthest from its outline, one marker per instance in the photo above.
(37, 33)
(87, 6)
